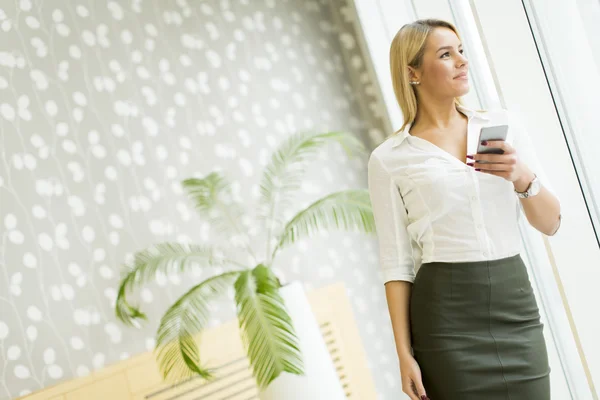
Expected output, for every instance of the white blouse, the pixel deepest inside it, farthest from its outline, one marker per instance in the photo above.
(429, 206)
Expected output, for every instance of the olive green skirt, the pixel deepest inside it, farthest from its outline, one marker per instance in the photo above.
(476, 331)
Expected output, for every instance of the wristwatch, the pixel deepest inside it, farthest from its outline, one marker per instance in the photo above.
(534, 188)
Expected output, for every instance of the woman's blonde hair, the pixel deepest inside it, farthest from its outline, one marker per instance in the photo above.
(407, 49)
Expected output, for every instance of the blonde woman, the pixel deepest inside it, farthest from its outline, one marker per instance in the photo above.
(465, 320)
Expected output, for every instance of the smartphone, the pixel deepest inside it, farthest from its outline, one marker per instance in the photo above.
(497, 132)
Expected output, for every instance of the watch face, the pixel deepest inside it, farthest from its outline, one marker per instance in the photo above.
(535, 187)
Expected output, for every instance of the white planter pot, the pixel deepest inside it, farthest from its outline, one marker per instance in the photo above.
(320, 380)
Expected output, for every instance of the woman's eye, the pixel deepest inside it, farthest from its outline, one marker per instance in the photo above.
(461, 51)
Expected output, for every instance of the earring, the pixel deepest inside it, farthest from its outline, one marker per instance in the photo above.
(415, 83)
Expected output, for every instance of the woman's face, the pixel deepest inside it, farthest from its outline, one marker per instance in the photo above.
(443, 64)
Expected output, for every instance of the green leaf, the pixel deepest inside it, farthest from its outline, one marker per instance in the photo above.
(213, 199)
(346, 210)
(164, 257)
(178, 356)
(282, 176)
(266, 328)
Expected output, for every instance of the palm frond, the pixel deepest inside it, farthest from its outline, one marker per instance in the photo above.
(267, 331)
(283, 173)
(282, 176)
(164, 257)
(346, 210)
(213, 200)
(176, 340)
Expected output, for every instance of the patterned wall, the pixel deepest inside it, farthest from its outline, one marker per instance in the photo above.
(107, 105)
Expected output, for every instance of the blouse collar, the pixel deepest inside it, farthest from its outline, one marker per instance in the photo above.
(470, 113)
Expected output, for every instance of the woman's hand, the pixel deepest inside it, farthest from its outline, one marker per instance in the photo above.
(507, 165)
(412, 384)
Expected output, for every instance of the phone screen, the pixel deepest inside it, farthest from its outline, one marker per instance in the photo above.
(498, 132)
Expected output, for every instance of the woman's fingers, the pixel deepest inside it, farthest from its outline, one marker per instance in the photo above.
(509, 159)
(421, 390)
(412, 384)
(501, 144)
(416, 391)
(494, 166)
(410, 388)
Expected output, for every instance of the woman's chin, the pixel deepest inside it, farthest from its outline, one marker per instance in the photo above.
(463, 90)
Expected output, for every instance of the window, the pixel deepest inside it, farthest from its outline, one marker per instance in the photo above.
(550, 77)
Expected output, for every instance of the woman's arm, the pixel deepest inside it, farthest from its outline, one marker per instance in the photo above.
(542, 210)
(395, 251)
(398, 268)
(398, 299)
(519, 164)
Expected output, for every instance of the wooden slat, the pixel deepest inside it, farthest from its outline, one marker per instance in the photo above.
(114, 387)
(232, 380)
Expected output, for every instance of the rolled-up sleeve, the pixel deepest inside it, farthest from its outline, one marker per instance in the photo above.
(526, 151)
(391, 220)
(527, 154)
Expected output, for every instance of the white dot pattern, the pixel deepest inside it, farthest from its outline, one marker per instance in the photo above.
(106, 106)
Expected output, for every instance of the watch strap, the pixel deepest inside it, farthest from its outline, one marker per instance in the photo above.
(527, 191)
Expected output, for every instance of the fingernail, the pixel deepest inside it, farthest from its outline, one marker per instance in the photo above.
(424, 397)
(477, 169)
(484, 142)
(470, 156)
(470, 164)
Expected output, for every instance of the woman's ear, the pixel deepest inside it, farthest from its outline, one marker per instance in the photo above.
(412, 76)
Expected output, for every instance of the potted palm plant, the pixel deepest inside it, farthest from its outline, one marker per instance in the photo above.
(268, 331)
